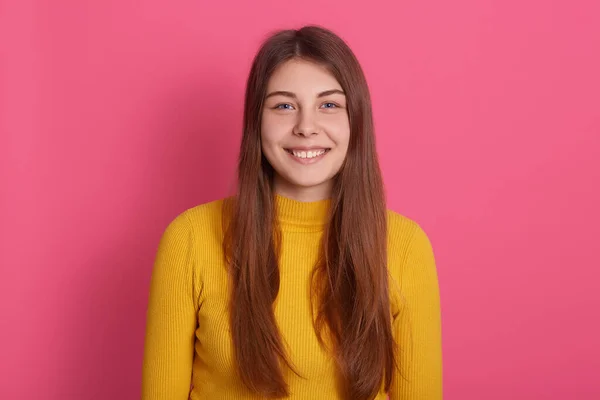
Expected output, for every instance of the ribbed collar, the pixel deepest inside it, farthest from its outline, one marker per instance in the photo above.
(299, 216)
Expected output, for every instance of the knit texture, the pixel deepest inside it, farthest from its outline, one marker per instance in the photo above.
(187, 335)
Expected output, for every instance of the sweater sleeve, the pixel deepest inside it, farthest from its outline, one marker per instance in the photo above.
(171, 317)
(418, 326)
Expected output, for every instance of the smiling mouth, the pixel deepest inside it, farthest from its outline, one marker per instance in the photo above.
(308, 153)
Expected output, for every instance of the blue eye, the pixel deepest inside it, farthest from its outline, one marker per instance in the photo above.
(330, 105)
(285, 106)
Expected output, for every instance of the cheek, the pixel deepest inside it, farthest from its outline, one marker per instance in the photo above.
(339, 132)
(266, 134)
(272, 130)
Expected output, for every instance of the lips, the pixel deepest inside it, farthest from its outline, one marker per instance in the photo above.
(308, 153)
(307, 156)
(313, 148)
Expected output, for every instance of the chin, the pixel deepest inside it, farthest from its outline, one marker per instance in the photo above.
(309, 183)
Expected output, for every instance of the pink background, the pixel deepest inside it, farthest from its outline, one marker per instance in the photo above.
(115, 116)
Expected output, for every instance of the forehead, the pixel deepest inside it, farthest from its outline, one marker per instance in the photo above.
(302, 77)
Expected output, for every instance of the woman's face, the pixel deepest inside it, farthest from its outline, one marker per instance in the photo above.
(305, 129)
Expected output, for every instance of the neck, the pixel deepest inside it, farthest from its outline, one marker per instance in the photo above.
(302, 216)
(303, 194)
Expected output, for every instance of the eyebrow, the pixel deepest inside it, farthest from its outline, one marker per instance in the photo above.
(293, 95)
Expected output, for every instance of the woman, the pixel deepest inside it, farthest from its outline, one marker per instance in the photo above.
(303, 284)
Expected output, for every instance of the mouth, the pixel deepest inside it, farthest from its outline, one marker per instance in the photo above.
(308, 154)
(306, 157)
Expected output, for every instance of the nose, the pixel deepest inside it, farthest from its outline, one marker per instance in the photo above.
(306, 124)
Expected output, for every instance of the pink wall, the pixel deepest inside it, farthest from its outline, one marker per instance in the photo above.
(117, 115)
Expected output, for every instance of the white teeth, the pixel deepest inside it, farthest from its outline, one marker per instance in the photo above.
(308, 154)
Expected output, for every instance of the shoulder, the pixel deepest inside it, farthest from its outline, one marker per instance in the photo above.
(198, 224)
(411, 259)
(406, 235)
(200, 215)
(205, 213)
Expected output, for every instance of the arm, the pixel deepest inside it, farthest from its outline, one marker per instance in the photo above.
(171, 317)
(417, 327)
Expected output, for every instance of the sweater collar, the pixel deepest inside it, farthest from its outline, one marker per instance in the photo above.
(301, 216)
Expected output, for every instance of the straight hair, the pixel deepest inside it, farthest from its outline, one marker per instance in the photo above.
(349, 286)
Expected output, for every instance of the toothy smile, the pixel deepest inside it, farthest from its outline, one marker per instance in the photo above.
(307, 153)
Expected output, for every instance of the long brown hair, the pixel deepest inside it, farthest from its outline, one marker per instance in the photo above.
(350, 282)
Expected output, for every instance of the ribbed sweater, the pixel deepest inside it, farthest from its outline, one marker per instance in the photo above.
(188, 350)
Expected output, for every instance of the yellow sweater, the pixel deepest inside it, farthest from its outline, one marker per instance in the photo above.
(187, 341)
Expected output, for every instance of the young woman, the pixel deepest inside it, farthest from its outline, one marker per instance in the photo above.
(302, 285)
